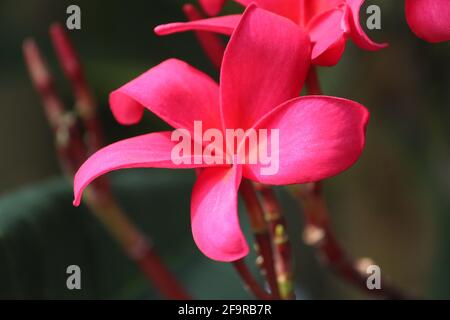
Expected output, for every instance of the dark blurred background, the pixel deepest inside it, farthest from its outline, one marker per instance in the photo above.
(393, 206)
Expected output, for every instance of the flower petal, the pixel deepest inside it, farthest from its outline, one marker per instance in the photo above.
(147, 151)
(357, 33)
(224, 25)
(214, 214)
(176, 92)
(326, 30)
(265, 64)
(212, 7)
(319, 137)
(429, 19)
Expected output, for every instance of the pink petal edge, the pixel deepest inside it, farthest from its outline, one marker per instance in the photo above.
(151, 150)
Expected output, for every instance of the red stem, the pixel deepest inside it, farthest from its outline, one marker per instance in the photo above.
(281, 244)
(261, 233)
(84, 99)
(250, 282)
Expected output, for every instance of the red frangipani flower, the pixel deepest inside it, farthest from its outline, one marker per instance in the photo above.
(429, 19)
(263, 70)
(329, 24)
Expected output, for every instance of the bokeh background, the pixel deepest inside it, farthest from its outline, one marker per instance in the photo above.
(393, 205)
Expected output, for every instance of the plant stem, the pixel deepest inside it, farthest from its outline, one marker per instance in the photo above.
(84, 99)
(72, 151)
(250, 282)
(281, 244)
(263, 241)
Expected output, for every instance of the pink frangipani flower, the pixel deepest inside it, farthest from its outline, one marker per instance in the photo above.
(263, 70)
(429, 19)
(329, 24)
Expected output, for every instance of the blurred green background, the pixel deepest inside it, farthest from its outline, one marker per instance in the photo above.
(393, 205)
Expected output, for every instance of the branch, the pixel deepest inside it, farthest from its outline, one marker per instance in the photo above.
(72, 152)
(263, 241)
(281, 244)
(250, 282)
(84, 99)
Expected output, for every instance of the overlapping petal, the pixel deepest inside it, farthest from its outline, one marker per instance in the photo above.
(429, 19)
(214, 214)
(265, 64)
(176, 92)
(319, 137)
(146, 151)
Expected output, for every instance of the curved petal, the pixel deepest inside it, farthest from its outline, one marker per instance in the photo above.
(429, 19)
(176, 92)
(357, 33)
(224, 25)
(147, 151)
(319, 137)
(326, 30)
(265, 64)
(212, 7)
(214, 214)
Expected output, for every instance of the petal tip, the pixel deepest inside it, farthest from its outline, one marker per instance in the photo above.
(76, 201)
(162, 29)
(156, 30)
(125, 110)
